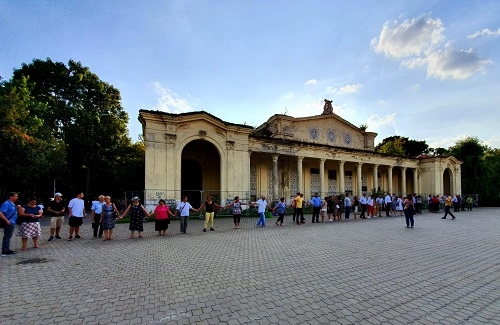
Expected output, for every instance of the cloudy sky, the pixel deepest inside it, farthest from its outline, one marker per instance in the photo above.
(427, 70)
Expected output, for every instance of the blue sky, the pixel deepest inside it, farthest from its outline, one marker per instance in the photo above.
(427, 70)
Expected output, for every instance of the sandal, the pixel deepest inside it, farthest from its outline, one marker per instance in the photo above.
(37, 246)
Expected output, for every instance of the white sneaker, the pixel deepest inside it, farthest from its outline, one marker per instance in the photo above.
(330, 220)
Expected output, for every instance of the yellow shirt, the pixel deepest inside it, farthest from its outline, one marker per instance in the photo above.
(298, 202)
(448, 201)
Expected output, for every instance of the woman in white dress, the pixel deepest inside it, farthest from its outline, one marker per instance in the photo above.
(399, 205)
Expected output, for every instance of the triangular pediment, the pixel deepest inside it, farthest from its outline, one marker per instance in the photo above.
(326, 129)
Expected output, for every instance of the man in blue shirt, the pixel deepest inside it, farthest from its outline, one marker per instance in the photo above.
(316, 204)
(8, 214)
(96, 216)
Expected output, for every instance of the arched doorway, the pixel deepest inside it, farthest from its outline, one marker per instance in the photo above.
(447, 182)
(200, 171)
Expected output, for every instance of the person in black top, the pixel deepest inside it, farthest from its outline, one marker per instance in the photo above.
(56, 209)
(209, 212)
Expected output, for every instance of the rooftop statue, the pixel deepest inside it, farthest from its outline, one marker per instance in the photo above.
(327, 109)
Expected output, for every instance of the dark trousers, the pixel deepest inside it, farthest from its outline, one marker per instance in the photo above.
(7, 235)
(300, 215)
(347, 212)
(448, 212)
(363, 210)
(316, 214)
(280, 218)
(387, 209)
(97, 226)
(184, 223)
(409, 218)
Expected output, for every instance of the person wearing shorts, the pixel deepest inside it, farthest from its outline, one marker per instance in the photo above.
(76, 209)
(56, 209)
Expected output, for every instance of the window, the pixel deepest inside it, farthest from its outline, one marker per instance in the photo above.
(332, 174)
(314, 171)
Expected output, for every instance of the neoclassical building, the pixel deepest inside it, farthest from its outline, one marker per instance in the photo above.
(196, 154)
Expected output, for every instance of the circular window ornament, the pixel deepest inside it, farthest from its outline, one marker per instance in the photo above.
(347, 138)
(314, 133)
(332, 137)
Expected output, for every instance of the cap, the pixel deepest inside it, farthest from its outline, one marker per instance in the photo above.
(58, 194)
(135, 198)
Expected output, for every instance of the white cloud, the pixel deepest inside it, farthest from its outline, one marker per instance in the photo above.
(485, 32)
(169, 101)
(350, 88)
(493, 142)
(312, 108)
(331, 90)
(375, 123)
(288, 95)
(344, 89)
(444, 142)
(420, 42)
(310, 82)
(410, 38)
(456, 64)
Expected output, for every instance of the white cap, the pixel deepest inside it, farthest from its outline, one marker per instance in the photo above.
(58, 194)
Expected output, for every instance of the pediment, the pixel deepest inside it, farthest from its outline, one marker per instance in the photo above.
(326, 129)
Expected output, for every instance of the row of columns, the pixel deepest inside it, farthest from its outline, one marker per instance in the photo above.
(341, 176)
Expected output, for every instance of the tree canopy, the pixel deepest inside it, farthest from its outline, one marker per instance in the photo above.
(401, 146)
(70, 125)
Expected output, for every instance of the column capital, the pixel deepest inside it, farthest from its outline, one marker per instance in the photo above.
(375, 166)
(403, 168)
(300, 158)
(275, 157)
(322, 160)
(360, 164)
(341, 162)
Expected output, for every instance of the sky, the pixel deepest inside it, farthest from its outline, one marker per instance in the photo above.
(426, 70)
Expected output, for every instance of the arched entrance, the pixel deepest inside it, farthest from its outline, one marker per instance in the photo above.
(200, 171)
(447, 182)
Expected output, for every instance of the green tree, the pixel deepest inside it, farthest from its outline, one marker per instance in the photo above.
(476, 178)
(84, 113)
(402, 146)
(30, 153)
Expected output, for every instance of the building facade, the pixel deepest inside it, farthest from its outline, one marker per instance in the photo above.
(196, 154)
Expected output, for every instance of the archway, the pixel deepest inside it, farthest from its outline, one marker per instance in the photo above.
(447, 182)
(200, 171)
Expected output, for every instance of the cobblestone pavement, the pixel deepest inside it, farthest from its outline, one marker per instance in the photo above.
(372, 271)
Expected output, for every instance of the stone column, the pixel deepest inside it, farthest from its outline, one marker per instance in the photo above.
(375, 177)
(341, 177)
(275, 177)
(360, 181)
(322, 177)
(403, 181)
(415, 181)
(389, 178)
(299, 172)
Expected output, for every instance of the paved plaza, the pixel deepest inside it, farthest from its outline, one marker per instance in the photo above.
(372, 271)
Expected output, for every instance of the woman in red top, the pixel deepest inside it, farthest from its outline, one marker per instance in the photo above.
(161, 222)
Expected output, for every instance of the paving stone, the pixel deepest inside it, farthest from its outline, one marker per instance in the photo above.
(362, 271)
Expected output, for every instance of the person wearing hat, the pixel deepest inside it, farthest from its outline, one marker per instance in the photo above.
(56, 209)
(137, 214)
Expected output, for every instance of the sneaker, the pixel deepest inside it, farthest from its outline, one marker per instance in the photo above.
(443, 218)
(8, 253)
(70, 238)
(50, 238)
(212, 229)
(77, 236)
(204, 229)
(453, 218)
(58, 237)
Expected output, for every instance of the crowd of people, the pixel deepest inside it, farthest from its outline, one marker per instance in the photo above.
(104, 213)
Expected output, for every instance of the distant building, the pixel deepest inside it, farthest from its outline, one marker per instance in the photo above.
(197, 154)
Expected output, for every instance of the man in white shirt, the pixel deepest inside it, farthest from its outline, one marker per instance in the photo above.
(76, 209)
(362, 201)
(388, 202)
(262, 205)
(347, 206)
(380, 204)
(182, 210)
